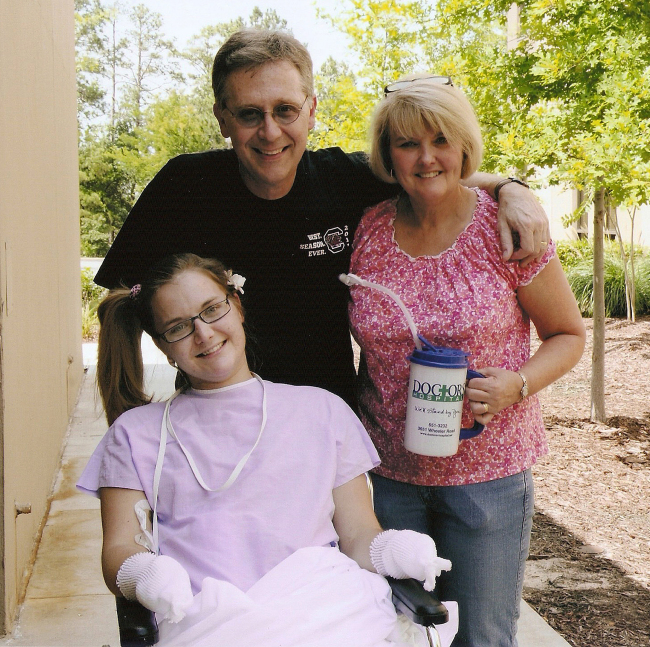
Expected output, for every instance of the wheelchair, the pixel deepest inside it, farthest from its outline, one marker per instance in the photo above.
(138, 626)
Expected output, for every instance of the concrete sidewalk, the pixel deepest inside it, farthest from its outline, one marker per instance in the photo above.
(67, 603)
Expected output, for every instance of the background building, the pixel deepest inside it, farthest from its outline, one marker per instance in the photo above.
(560, 203)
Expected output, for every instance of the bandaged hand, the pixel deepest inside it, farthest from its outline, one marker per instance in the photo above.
(159, 583)
(406, 553)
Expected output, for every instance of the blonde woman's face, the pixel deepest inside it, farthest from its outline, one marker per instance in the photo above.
(426, 165)
(214, 354)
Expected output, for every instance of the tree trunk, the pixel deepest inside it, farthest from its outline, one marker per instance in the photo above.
(632, 269)
(113, 74)
(513, 22)
(598, 348)
(629, 299)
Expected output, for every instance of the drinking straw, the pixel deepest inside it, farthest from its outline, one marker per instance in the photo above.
(353, 279)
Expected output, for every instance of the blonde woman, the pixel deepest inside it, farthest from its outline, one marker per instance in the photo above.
(437, 246)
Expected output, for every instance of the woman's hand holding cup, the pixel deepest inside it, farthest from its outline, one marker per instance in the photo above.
(499, 389)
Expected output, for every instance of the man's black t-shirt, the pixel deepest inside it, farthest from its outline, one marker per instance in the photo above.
(290, 250)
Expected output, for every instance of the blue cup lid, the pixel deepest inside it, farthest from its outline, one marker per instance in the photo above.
(439, 356)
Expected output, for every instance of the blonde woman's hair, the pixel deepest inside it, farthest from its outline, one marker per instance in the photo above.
(123, 318)
(424, 105)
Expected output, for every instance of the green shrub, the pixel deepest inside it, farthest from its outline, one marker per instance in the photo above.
(91, 295)
(573, 252)
(580, 274)
(642, 279)
(89, 321)
(580, 279)
(90, 291)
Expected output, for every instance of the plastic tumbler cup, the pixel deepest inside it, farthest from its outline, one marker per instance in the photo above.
(435, 400)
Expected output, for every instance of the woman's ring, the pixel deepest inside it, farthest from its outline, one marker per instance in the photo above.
(486, 407)
(543, 242)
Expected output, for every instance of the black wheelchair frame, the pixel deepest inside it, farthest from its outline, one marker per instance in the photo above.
(138, 626)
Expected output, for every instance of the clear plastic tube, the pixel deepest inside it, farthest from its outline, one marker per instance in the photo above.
(353, 279)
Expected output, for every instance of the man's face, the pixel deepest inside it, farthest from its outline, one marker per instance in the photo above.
(269, 153)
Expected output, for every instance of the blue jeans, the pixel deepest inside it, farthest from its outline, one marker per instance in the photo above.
(484, 529)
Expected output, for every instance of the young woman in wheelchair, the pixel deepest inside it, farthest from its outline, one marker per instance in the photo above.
(262, 520)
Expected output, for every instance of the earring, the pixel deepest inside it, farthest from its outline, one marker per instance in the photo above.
(391, 173)
(172, 363)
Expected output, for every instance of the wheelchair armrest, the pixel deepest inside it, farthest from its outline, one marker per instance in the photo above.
(138, 626)
(415, 603)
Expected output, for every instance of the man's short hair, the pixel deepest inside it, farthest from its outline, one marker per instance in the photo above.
(251, 48)
(425, 105)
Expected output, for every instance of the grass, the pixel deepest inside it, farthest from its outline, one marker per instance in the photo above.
(577, 260)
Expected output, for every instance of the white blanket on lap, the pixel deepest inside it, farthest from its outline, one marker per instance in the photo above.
(317, 597)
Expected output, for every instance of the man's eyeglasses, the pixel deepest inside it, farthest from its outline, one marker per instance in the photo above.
(284, 114)
(186, 327)
(400, 85)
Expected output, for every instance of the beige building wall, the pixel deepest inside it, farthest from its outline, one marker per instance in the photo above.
(40, 330)
(559, 202)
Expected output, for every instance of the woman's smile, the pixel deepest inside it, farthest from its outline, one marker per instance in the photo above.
(216, 348)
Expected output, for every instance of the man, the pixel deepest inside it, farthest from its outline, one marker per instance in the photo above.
(277, 214)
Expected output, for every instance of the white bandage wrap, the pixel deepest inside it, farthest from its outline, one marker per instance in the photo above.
(159, 583)
(406, 553)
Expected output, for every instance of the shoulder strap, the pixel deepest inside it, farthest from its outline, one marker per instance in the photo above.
(167, 427)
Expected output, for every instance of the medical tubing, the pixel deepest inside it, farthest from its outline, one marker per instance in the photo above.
(353, 279)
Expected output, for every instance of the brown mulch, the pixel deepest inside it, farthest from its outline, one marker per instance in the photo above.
(585, 597)
(589, 570)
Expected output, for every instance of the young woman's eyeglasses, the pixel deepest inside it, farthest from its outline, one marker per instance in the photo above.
(186, 327)
(284, 114)
(400, 85)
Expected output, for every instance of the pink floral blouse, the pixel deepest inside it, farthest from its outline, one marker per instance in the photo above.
(466, 298)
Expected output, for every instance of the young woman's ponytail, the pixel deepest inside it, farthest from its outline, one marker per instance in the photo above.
(120, 374)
